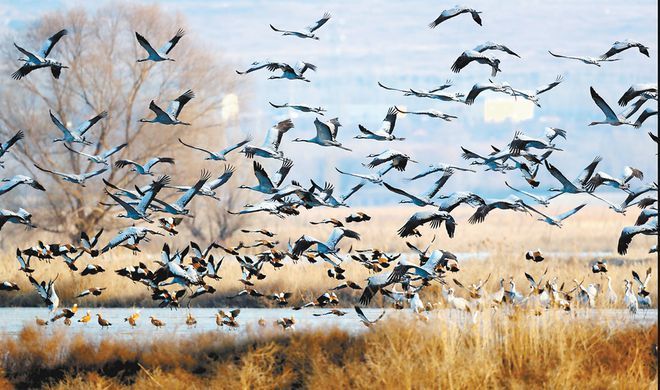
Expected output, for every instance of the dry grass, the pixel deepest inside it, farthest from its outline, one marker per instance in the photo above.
(496, 352)
(504, 236)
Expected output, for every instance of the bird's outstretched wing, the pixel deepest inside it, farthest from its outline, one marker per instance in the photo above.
(319, 22)
(167, 47)
(177, 104)
(50, 42)
(547, 87)
(146, 45)
(82, 129)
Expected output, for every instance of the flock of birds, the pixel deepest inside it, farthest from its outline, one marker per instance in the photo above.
(193, 268)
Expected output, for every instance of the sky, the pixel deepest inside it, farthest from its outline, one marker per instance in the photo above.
(370, 41)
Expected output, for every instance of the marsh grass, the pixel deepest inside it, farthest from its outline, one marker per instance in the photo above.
(504, 238)
(498, 351)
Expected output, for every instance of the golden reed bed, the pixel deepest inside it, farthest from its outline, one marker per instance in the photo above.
(505, 237)
(498, 351)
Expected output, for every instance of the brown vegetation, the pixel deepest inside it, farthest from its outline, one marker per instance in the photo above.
(495, 352)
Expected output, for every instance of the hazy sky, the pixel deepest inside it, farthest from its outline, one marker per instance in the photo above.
(370, 41)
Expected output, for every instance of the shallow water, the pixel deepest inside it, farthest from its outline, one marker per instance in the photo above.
(14, 319)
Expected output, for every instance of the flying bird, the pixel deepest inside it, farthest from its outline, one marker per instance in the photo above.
(80, 179)
(326, 134)
(435, 218)
(469, 56)
(453, 12)
(430, 113)
(636, 90)
(270, 147)
(4, 147)
(611, 118)
(146, 168)
(77, 135)
(171, 115)
(587, 60)
(160, 54)
(650, 228)
(488, 45)
(40, 59)
(8, 184)
(101, 158)
(385, 131)
(559, 219)
(619, 46)
(367, 322)
(310, 30)
(300, 107)
(222, 154)
(533, 96)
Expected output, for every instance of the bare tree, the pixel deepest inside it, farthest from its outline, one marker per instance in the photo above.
(101, 52)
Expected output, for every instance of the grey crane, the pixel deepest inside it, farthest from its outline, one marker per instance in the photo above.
(522, 142)
(398, 160)
(179, 206)
(329, 247)
(375, 178)
(310, 30)
(533, 96)
(430, 113)
(77, 135)
(478, 88)
(650, 228)
(469, 56)
(542, 200)
(130, 238)
(611, 118)
(455, 11)
(601, 178)
(411, 92)
(160, 54)
(434, 218)
(488, 45)
(146, 168)
(587, 60)
(494, 162)
(576, 186)
(416, 200)
(270, 147)
(326, 134)
(558, 219)
(300, 107)
(73, 178)
(439, 167)
(101, 158)
(619, 46)
(510, 203)
(265, 185)
(8, 184)
(5, 146)
(455, 199)
(222, 154)
(385, 131)
(20, 217)
(171, 115)
(208, 189)
(288, 72)
(140, 211)
(636, 90)
(40, 59)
